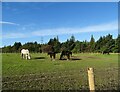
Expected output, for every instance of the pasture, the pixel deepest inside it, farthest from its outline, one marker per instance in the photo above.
(40, 73)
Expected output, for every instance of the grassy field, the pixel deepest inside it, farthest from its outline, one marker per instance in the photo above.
(40, 73)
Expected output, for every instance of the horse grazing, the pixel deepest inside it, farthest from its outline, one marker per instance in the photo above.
(25, 54)
(52, 55)
(66, 53)
(106, 52)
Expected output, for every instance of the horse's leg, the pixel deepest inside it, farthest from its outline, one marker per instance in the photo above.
(26, 56)
(29, 57)
(54, 57)
(51, 57)
(68, 56)
(61, 56)
(22, 55)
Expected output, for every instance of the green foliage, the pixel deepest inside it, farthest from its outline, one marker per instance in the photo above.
(118, 43)
(77, 47)
(105, 43)
(16, 46)
(55, 44)
(92, 44)
(69, 44)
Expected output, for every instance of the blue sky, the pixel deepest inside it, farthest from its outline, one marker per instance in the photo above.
(29, 22)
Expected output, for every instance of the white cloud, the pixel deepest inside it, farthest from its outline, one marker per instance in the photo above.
(13, 35)
(9, 23)
(112, 26)
(104, 27)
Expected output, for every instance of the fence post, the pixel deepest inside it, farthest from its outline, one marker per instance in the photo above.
(91, 80)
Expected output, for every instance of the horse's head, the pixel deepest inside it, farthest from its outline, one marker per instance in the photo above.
(29, 57)
(48, 53)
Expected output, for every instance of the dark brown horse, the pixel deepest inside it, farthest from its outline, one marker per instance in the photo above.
(52, 55)
(106, 52)
(65, 53)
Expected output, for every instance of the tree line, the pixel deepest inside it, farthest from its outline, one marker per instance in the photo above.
(104, 43)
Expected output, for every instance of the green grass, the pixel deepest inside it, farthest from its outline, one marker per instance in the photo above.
(105, 71)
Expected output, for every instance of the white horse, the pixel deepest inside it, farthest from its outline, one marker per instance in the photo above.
(25, 54)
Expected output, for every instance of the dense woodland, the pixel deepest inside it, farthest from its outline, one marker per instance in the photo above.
(104, 43)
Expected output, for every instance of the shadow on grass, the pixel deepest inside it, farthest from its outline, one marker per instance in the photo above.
(39, 58)
(63, 59)
(76, 59)
(71, 59)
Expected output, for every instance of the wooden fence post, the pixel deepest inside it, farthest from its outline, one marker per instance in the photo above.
(91, 80)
